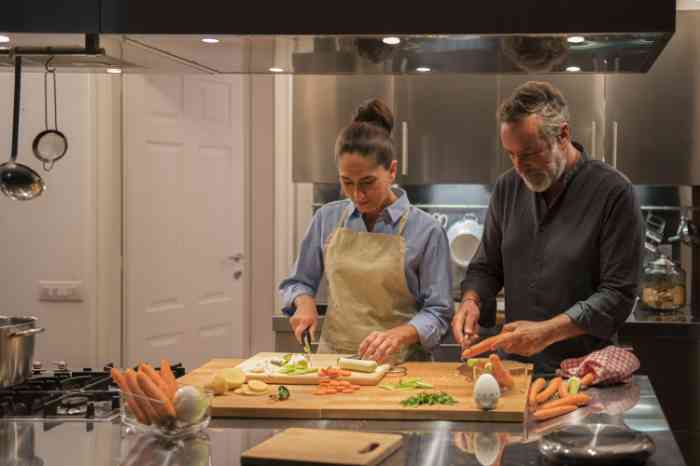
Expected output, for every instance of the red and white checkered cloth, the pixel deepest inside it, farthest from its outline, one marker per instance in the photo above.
(610, 365)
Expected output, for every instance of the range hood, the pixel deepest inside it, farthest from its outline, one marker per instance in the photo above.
(496, 36)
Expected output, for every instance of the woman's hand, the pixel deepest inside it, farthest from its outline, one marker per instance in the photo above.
(380, 345)
(304, 317)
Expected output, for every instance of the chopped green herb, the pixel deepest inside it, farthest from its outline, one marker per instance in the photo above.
(425, 398)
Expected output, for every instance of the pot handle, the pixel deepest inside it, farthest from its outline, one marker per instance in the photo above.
(27, 333)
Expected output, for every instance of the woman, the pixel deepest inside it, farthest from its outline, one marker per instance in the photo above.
(386, 262)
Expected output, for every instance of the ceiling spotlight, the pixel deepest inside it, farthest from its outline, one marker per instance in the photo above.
(114, 70)
(276, 70)
(422, 69)
(4, 39)
(210, 40)
(573, 69)
(391, 40)
(576, 39)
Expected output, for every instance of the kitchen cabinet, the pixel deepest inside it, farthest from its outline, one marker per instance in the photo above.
(584, 94)
(321, 107)
(448, 129)
(652, 119)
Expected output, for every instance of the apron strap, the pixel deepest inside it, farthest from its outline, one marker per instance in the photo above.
(402, 222)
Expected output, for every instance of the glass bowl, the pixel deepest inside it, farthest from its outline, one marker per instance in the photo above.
(191, 406)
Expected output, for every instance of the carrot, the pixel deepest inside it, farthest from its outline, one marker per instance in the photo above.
(120, 380)
(155, 378)
(132, 382)
(331, 391)
(579, 400)
(564, 389)
(348, 390)
(489, 344)
(551, 389)
(587, 379)
(535, 389)
(501, 374)
(162, 403)
(167, 373)
(542, 414)
(344, 373)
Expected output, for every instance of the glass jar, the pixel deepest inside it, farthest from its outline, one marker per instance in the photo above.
(663, 285)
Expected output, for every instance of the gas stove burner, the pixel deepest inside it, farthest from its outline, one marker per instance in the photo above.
(73, 405)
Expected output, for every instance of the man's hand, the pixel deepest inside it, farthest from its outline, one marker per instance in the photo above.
(526, 338)
(304, 317)
(465, 324)
(380, 345)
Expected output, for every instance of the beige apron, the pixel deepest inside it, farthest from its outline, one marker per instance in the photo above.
(367, 287)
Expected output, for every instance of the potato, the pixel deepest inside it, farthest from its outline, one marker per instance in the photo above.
(234, 377)
(257, 386)
(245, 390)
(218, 385)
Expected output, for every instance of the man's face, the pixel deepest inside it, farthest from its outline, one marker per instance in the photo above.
(538, 162)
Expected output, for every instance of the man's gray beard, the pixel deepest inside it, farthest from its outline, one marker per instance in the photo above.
(545, 179)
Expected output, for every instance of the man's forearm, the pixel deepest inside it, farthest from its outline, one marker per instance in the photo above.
(561, 328)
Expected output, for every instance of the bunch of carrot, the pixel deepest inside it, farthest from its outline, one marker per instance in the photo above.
(541, 394)
(149, 394)
(332, 387)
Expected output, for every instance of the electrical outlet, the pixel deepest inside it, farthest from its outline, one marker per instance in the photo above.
(60, 291)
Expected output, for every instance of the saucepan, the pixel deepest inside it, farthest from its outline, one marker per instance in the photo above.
(464, 237)
(16, 349)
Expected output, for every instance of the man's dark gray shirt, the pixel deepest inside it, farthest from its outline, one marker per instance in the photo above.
(580, 256)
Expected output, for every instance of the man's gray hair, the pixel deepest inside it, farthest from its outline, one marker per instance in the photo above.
(537, 98)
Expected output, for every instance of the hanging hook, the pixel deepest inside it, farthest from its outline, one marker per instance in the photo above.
(46, 65)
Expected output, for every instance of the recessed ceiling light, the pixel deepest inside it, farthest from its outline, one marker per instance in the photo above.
(391, 40)
(573, 69)
(4, 39)
(276, 70)
(576, 39)
(114, 70)
(422, 69)
(210, 40)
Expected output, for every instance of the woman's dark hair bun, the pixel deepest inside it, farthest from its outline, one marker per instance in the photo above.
(375, 112)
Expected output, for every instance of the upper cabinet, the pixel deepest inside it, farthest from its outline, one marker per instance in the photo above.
(447, 129)
(652, 119)
(585, 97)
(321, 107)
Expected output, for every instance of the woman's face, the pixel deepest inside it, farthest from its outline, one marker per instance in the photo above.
(365, 183)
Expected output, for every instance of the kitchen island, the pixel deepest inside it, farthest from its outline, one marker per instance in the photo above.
(424, 442)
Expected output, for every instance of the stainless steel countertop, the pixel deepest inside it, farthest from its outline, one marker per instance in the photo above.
(425, 442)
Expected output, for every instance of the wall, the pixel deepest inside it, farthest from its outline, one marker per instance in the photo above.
(53, 237)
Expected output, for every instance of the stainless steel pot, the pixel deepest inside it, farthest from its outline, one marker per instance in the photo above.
(16, 348)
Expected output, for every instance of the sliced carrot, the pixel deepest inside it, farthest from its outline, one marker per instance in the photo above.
(348, 390)
(542, 414)
(587, 379)
(344, 383)
(501, 374)
(580, 399)
(334, 383)
(548, 392)
(331, 391)
(489, 344)
(344, 373)
(535, 389)
(564, 389)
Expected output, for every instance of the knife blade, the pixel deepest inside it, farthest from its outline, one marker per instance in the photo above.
(306, 341)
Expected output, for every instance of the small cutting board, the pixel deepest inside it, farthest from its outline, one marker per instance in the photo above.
(322, 447)
(317, 360)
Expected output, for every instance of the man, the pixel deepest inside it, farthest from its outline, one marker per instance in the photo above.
(563, 235)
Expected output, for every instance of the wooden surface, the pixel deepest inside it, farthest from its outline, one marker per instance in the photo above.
(317, 360)
(315, 446)
(374, 402)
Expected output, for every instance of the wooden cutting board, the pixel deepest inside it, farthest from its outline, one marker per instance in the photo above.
(372, 402)
(317, 360)
(322, 447)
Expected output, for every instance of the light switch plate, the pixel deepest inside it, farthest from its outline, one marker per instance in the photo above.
(61, 291)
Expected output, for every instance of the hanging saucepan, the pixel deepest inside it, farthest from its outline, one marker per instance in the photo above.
(17, 181)
(51, 144)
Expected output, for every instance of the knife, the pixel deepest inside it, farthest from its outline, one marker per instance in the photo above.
(306, 341)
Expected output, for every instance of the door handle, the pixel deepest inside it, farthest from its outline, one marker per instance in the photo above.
(614, 142)
(236, 258)
(404, 148)
(593, 140)
(237, 274)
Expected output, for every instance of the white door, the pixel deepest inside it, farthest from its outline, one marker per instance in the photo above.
(184, 218)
